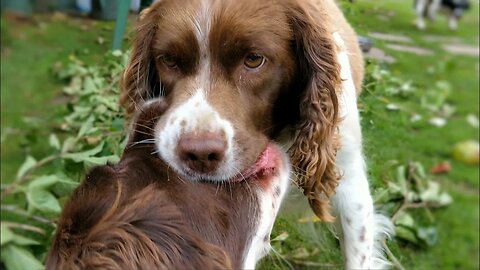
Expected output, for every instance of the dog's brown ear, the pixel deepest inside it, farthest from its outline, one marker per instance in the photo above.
(314, 149)
(140, 79)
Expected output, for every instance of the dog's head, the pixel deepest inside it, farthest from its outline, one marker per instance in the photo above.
(233, 75)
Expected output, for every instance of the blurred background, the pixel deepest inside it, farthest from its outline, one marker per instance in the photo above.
(61, 61)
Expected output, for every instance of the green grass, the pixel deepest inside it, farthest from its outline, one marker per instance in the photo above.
(28, 89)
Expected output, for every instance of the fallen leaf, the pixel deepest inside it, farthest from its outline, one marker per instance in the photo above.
(100, 40)
(392, 107)
(442, 167)
(472, 120)
(437, 121)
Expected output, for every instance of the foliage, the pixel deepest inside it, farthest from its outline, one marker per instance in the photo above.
(434, 108)
(412, 189)
(89, 133)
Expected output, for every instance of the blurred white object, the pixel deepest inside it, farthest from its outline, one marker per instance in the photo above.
(438, 121)
(85, 6)
(472, 119)
(135, 5)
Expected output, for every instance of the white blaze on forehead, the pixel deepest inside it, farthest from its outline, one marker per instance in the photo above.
(202, 21)
(202, 24)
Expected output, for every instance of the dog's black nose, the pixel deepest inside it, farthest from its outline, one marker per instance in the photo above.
(202, 152)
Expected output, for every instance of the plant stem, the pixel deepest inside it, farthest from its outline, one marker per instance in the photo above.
(23, 227)
(405, 205)
(392, 257)
(20, 212)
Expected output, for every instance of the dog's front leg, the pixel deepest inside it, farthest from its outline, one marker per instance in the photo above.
(360, 227)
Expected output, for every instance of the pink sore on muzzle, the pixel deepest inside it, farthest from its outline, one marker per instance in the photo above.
(266, 165)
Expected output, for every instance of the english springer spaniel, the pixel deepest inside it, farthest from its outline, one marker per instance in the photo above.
(139, 214)
(238, 75)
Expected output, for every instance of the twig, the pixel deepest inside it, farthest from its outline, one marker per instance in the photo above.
(316, 264)
(392, 257)
(406, 205)
(23, 227)
(21, 212)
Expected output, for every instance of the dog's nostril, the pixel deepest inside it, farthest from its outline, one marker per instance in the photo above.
(191, 156)
(212, 157)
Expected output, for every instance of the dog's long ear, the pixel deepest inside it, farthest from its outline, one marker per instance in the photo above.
(140, 79)
(314, 149)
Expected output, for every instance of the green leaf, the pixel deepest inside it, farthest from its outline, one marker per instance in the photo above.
(43, 200)
(28, 164)
(54, 142)
(86, 127)
(24, 241)
(64, 187)
(7, 235)
(89, 161)
(117, 124)
(19, 258)
(405, 219)
(428, 235)
(89, 86)
(43, 182)
(406, 234)
(69, 144)
(82, 156)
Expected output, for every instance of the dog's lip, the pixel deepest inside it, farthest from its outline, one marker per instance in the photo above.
(267, 164)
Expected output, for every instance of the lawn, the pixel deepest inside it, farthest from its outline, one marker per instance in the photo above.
(31, 100)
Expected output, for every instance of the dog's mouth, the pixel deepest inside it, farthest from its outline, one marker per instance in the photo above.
(267, 164)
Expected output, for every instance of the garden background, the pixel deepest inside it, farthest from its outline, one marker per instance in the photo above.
(419, 108)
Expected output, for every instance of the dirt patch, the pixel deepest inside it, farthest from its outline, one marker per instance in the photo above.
(462, 49)
(390, 37)
(442, 39)
(376, 53)
(410, 49)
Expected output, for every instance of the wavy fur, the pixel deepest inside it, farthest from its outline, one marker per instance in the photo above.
(314, 148)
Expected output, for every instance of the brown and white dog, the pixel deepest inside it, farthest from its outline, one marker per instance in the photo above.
(239, 74)
(139, 214)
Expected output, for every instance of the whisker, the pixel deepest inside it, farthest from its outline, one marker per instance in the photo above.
(146, 141)
(145, 126)
(141, 132)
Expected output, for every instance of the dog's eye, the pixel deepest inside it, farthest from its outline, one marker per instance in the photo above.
(254, 60)
(169, 61)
